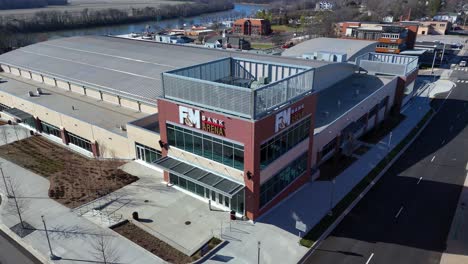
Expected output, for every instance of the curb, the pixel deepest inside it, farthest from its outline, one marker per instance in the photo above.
(358, 199)
(18, 240)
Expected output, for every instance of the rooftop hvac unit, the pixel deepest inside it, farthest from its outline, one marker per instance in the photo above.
(123, 128)
(31, 94)
(263, 80)
(39, 91)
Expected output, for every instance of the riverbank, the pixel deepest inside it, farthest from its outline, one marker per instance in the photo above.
(61, 18)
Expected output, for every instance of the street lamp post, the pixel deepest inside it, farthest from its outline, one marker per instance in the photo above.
(433, 62)
(52, 256)
(332, 193)
(258, 252)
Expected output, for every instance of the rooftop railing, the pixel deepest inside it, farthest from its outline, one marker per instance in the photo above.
(389, 64)
(200, 85)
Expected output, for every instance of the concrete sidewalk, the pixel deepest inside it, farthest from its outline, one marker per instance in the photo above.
(276, 230)
(72, 236)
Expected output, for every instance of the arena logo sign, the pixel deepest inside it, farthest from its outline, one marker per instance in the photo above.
(196, 119)
(288, 116)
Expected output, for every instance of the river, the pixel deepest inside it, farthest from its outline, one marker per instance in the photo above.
(240, 10)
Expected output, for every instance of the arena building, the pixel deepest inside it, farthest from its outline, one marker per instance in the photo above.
(240, 130)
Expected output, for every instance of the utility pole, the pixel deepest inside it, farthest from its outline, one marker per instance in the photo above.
(52, 256)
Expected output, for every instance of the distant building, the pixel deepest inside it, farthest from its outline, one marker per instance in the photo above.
(448, 16)
(331, 49)
(391, 38)
(230, 42)
(434, 27)
(249, 26)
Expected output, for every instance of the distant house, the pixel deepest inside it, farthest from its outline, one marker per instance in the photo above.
(448, 16)
(434, 27)
(230, 42)
(248, 27)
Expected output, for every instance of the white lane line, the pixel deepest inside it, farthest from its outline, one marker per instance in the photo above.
(433, 158)
(399, 212)
(368, 260)
(420, 178)
(443, 141)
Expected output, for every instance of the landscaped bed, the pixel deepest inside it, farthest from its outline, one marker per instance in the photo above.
(74, 179)
(158, 247)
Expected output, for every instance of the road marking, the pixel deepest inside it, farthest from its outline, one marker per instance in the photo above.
(399, 212)
(420, 178)
(433, 158)
(443, 141)
(368, 261)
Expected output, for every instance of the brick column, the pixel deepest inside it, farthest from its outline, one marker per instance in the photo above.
(64, 136)
(38, 125)
(95, 149)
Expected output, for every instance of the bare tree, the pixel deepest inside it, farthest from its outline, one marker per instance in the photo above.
(17, 206)
(104, 250)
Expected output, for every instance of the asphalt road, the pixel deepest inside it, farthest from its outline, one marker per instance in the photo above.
(406, 217)
(12, 253)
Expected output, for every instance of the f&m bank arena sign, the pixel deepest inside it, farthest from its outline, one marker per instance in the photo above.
(196, 119)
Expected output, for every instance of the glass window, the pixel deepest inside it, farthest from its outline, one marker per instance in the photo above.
(212, 148)
(183, 183)
(283, 142)
(200, 190)
(79, 142)
(150, 155)
(191, 186)
(282, 179)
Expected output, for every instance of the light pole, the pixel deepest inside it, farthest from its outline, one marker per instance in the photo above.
(443, 52)
(258, 252)
(433, 62)
(332, 193)
(52, 256)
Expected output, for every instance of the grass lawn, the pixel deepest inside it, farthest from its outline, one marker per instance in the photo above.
(262, 45)
(286, 28)
(314, 234)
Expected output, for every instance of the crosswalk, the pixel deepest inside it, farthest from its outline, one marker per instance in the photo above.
(462, 81)
(461, 69)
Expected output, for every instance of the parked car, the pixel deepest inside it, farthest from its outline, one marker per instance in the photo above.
(462, 63)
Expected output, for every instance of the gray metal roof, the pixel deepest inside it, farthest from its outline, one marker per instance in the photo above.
(352, 47)
(127, 67)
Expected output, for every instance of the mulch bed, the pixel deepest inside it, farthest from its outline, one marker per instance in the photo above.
(152, 244)
(159, 247)
(74, 179)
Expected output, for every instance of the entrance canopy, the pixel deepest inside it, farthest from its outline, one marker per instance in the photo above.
(17, 114)
(204, 178)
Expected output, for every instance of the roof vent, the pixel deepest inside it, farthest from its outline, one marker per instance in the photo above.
(39, 91)
(123, 128)
(31, 94)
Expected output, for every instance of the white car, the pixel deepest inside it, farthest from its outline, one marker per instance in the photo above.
(462, 63)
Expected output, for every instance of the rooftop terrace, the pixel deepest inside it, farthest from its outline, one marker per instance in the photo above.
(105, 115)
(241, 87)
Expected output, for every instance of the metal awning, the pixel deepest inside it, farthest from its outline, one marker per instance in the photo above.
(18, 114)
(204, 178)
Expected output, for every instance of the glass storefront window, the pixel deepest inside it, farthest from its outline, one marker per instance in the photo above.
(147, 154)
(283, 142)
(79, 142)
(282, 179)
(50, 129)
(212, 148)
(235, 203)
